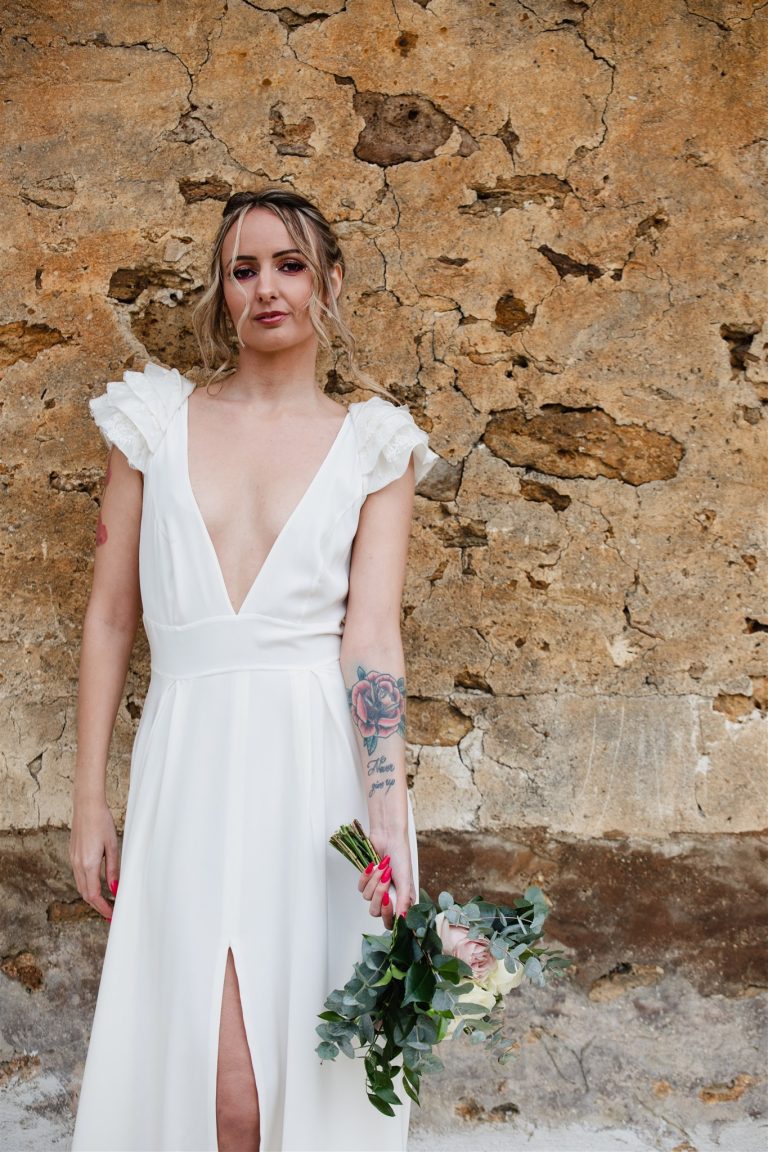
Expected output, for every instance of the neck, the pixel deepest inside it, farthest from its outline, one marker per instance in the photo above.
(278, 378)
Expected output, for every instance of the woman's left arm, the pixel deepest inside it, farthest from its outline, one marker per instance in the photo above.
(373, 668)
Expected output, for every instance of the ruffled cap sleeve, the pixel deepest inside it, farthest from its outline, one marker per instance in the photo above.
(387, 435)
(134, 412)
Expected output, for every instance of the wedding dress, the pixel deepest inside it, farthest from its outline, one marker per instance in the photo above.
(244, 763)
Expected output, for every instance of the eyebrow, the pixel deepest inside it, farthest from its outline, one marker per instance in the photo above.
(284, 252)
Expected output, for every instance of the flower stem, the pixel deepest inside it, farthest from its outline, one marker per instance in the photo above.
(351, 841)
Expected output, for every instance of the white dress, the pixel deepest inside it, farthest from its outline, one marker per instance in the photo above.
(244, 762)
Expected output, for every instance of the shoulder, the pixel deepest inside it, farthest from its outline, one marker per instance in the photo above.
(134, 412)
(387, 435)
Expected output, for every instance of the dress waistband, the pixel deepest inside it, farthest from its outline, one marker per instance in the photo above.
(238, 643)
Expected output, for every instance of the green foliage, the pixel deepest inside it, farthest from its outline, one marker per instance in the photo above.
(404, 994)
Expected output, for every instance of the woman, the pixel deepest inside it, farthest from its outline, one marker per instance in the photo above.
(262, 531)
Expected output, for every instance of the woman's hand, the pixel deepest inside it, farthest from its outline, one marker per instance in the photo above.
(93, 838)
(395, 869)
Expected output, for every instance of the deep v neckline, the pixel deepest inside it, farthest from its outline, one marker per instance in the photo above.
(292, 516)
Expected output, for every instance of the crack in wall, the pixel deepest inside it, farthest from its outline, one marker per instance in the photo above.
(393, 229)
(722, 24)
(292, 19)
(467, 764)
(584, 149)
(100, 41)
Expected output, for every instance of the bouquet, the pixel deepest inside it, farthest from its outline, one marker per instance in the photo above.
(443, 970)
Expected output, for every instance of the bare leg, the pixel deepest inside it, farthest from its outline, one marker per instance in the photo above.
(237, 1099)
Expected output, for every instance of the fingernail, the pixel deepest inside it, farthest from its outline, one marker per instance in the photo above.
(385, 899)
(113, 887)
(369, 869)
(108, 918)
(385, 875)
(383, 863)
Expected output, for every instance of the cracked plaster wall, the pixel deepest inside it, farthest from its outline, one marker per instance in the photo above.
(554, 217)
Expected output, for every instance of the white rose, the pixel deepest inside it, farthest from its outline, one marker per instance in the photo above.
(476, 995)
(501, 981)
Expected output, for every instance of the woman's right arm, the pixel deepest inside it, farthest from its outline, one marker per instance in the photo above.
(109, 630)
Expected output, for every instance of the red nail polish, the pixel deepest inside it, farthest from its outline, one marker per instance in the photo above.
(383, 863)
(369, 869)
(113, 887)
(385, 900)
(385, 876)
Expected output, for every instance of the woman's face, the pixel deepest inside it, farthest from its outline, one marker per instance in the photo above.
(272, 284)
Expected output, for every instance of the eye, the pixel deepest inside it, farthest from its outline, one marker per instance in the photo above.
(243, 272)
(293, 266)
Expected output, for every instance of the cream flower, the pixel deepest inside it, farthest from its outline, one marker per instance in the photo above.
(476, 995)
(500, 981)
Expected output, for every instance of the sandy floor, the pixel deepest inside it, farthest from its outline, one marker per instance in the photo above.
(35, 1116)
(739, 1137)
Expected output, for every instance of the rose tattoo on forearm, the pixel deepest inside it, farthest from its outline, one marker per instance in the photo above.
(377, 703)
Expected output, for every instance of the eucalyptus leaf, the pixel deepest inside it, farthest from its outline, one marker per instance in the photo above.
(416, 916)
(533, 970)
(432, 1063)
(412, 1092)
(444, 963)
(389, 1095)
(467, 1008)
(443, 999)
(419, 984)
(410, 1076)
(382, 1105)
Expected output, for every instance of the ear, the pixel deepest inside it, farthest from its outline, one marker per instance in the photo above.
(337, 277)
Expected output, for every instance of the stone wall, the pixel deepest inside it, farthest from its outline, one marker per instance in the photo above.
(554, 217)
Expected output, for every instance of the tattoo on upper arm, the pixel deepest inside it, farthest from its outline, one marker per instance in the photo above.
(101, 528)
(377, 703)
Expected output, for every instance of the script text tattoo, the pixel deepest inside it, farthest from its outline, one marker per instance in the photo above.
(383, 772)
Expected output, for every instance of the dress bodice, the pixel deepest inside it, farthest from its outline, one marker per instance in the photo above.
(304, 579)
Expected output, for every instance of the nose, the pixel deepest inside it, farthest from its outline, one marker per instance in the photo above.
(265, 286)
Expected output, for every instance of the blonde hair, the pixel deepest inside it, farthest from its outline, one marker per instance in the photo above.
(315, 239)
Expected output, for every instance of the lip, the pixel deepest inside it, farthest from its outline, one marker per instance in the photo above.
(270, 318)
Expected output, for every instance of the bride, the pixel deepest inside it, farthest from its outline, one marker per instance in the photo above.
(228, 512)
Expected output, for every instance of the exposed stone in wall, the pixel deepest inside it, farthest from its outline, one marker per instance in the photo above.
(625, 907)
(572, 442)
(399, 128)
(22, 341)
